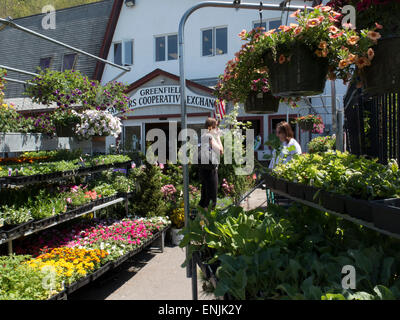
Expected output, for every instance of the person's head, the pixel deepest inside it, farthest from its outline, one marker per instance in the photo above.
(284, 131)
(211, 124)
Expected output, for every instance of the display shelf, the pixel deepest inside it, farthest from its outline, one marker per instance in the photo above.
(341, 215)
(112, 265)
(55, 176)
(64, 217)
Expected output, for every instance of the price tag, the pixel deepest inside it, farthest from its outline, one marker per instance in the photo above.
(1, 223)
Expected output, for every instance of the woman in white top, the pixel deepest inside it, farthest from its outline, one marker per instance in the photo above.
(290, 146)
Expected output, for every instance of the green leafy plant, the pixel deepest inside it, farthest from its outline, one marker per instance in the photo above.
(322, 144)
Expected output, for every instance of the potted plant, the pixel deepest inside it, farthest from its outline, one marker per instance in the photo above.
(260, 100)
(178, 222)
(310, 123)
(97, 123)
(302, 55)
(322, 144)
(383, 74)
(245, 79)
(65, 122)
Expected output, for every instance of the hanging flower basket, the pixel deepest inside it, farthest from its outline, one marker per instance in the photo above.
(383, 75)
(311, 123)
(301, 74)
(306, 126)
(261, 103)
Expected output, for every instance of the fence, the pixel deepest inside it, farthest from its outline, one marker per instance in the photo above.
(373, 124)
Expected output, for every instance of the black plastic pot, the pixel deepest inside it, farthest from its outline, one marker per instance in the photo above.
(15, 230)
(296, 190)
(120, 260)
(310, 194)
(65, 131)
(59, 296)
(281, 185)
(261, 103)
(359, 209)
(383, 76)
(386, 214)
(269, 180)
(306, 126)
(304, 75)
(79, 284)
(97, 274)
(46, 222)
(333, 201)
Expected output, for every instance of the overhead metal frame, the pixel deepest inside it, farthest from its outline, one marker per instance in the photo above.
(191, 269)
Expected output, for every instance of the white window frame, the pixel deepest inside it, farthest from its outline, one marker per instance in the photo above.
(214, 44)
(165, 36)
(123, 43)
(267, 22)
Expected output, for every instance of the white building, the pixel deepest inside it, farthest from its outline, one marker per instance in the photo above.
(145, 38)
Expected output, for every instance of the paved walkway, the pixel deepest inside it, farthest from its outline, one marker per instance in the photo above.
(152, 275)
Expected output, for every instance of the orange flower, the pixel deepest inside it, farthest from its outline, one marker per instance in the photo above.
(297, 31)
(373, 35)
(315, 22)
(323, 45)
(285, 28)
(282, 59)
(343, 64)
(333, 29)
(295, 14)
(318, 53)
(326, 9)
(362, 62)
(353, 40)
(352, 58)
(371, 53)
(324, 52)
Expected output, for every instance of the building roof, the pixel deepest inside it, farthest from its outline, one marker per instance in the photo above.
(159, 72)
(83, 27)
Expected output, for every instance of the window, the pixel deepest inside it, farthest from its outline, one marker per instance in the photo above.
(118, 53)
(123, 53)
(45, 63)
(173, 47)
(128, 49)
(214, 41)
(69, 61)
(268, 24)
(166, 47)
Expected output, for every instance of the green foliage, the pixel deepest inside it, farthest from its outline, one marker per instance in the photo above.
(293, 254)
(148, 201)
(322, 144)
(70, 88)
(13, 216)
(19, 281)
(343, 173)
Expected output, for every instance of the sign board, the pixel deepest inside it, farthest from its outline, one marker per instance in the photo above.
(169, 95)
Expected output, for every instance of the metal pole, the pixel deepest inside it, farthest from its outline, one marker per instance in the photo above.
(18, 70)
(181, 33)
(39, 35)
(334, 111)
(17, 81)
(339, 136)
